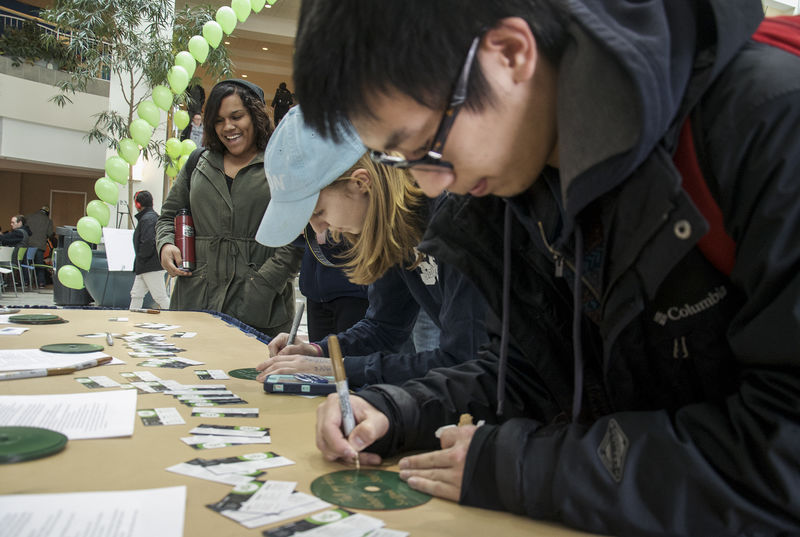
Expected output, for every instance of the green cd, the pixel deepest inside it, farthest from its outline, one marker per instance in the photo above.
(367, 489)
(248, 373)
(71, 348)
(36, 318)
(19, 444)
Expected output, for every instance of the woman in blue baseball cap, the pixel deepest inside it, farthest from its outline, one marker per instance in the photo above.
(380, 215)
(226, 192)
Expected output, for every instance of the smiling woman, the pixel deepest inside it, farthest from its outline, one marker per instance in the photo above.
(227, 193)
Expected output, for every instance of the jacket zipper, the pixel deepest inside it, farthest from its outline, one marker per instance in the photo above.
(560, 260)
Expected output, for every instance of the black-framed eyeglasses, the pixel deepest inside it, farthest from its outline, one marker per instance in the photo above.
(432, 160)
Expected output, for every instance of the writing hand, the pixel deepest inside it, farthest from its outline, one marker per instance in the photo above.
(440, 473)
(371, 424)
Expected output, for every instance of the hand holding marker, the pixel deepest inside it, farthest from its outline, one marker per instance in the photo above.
(348, 421)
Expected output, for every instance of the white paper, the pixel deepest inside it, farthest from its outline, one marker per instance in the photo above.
(13, 331)
(135, 513)
(119, 248)
(211, 441)
(250, 463)
(270, 498)
(300, 502)
(23, 359)
(195, 470)
(77, 415)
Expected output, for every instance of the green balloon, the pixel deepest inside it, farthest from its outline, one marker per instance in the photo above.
(181, 119)
(226, 17)
(257, 5)
(162, 97)
(80, 255)
(117, 169)
(271, 2)
(98, 210)
(178, 79)
(182, 161)
(128, 150)
(148, 111)
(187, 146)
(90, 229)
(107, 190)
(171, 171)
(212, 32)
(185, 59)
(173, 147)
(141, 131)
(241, 8)
(70, 277)
(198, 48)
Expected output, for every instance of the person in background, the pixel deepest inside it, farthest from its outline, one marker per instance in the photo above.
(379, 215)
(281, 102)
(227, 194)
(147, 265)
(644, 386)
(194, 130)
(19, 234)
(41, 227)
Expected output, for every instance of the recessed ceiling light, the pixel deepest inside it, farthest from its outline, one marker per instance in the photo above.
(268, 6)
(244, 76)
(227, 42)
(264, 48)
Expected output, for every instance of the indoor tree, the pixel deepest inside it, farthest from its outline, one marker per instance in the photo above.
(134, 42)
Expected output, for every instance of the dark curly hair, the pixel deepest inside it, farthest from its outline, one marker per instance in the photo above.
(258, 115)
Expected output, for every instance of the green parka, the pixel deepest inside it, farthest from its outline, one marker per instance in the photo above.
(234, 274)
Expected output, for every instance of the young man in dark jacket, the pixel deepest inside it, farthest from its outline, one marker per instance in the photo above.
(639, 390)
(147, 265)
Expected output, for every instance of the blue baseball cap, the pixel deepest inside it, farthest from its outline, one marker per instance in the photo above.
(299, 163)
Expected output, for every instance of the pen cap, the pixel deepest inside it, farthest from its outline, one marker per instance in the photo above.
(336, 358)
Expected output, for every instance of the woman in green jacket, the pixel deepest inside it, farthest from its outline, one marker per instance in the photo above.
(227, 194)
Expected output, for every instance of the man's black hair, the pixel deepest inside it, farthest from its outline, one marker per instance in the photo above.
(350, 49)
(144, 198)
(252, 97)
(21, 219)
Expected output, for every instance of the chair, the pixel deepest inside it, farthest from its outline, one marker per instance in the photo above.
(32, 266)
(18, 255)
(7, 266)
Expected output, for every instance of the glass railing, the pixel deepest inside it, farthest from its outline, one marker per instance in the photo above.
(22, 39)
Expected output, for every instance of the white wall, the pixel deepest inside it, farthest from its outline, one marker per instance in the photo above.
(36, 130)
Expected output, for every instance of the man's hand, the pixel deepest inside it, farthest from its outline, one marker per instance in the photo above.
(440, 473)
(278, 346)
(171, 261)
(291, 364)
(371, 424)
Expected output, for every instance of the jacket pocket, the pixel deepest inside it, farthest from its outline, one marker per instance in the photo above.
(191, 292)
(261, 305)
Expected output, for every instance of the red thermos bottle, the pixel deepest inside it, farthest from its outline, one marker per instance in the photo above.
(184, 238)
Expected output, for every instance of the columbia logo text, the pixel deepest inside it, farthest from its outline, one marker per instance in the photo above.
(676, 313)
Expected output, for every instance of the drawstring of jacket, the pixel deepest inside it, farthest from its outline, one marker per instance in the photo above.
(504, 334)
(577, 308)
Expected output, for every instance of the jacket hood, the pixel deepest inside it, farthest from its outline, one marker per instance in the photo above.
(637, 66)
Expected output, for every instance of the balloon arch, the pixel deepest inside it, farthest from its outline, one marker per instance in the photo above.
(117, 167)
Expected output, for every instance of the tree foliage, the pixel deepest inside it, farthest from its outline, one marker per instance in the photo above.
(126, 40)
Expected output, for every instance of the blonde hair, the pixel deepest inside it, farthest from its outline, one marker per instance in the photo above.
(393, 225)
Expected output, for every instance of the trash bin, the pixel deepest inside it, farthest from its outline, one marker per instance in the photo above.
(63, 295)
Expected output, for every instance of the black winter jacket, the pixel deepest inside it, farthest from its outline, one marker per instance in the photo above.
(144, 242)
(690, 419)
